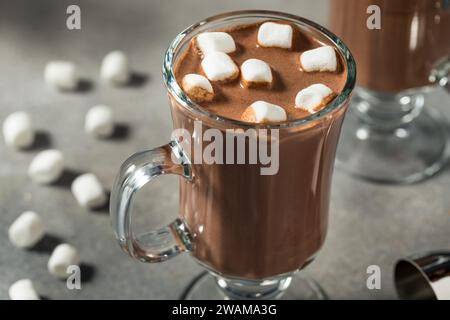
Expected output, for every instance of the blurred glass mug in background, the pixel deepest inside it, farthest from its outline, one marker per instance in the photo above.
(387, 135)
(251, 232)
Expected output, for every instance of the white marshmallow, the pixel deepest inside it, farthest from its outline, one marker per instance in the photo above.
(99, 121)
(261, 111)
(218, 66)
(47, 166)
(197, 87)
(319, 59)
(88, 191)
(17, 130)
(23, 290)
(272, 34)
(313, 97)
(255, 71)
(115, 68)
(62, 257)
(61, 75)
(215, 41)
(26, 230)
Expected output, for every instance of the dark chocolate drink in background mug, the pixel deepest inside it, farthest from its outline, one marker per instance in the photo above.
(259, 71)
(387, 137)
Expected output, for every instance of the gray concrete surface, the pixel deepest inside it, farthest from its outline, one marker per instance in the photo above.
(369, 224)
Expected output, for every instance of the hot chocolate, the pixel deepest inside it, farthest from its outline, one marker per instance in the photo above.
(414, 35)
(232, 98)
(244, 224)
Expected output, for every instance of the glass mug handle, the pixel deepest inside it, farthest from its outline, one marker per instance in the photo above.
(440, 74)
(135, 172)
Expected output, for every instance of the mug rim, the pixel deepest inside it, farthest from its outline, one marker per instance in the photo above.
(177, 92)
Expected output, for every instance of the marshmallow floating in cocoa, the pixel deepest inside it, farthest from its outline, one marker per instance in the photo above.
(197, 87)
(18, 131)
(271, 34)
(215, 42)
(88, 191)
(99, 121)
(61, 75)
(62, 257)
(26, 230)
(23, 290)
(264, 112)
(255, 72)
(319, 59)
(218, 66)
(313, 97)
(47, 166)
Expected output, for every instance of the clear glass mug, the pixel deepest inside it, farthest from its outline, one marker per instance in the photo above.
(252, 232)
(390, 135)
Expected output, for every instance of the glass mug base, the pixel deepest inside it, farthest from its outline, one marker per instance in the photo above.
(403, 153)
(207, 286)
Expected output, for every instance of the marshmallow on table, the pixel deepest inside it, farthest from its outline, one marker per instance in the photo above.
(115, 68)
(218, 66)
(271, 34)
(17, 130)
(313, 97)
(88, 191)
(197, 87)
(99, 121)
(26, 230)
(23, 290)
(47, 166)
(62, 257)
(256, 72)
(319, 59)
(61, 75)
(264, 112)
(215, 41)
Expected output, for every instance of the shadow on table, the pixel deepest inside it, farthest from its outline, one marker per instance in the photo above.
(84, 85)
(47, 244)
(88, 272)
(42, 140)
(121, 131)
(104, 209)
(67, 177)
(138, 79)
